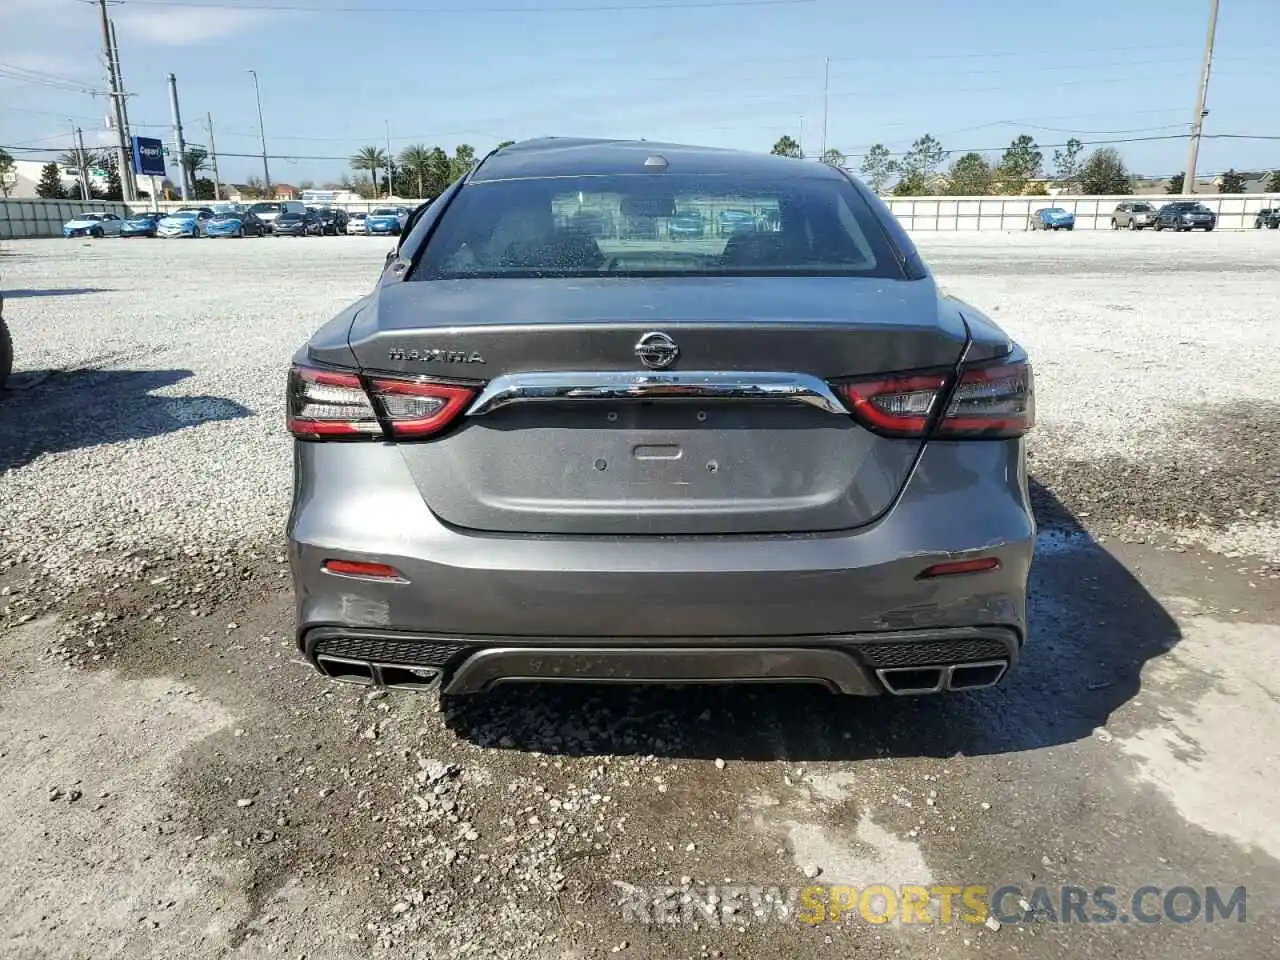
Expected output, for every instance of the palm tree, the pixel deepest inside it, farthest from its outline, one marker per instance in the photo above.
(195, 159)
(372, 159)
(416, 162)
(77, 160)
(787, 146)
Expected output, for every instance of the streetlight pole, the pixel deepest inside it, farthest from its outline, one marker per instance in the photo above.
(213, 155)
(826, 89)
(1197, 122)
(266, 171)
(178, 142)
(387, 125)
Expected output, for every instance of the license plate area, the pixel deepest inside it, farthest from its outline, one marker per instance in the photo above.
(660, 467)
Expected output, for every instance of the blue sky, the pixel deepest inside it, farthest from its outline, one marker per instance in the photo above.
(718, 72)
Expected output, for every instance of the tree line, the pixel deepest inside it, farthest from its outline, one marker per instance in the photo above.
(1020, 171)
(417, 171)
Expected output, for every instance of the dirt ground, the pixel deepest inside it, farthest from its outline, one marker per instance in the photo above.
(176, 783)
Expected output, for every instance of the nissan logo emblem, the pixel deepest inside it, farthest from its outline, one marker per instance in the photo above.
(657, 350)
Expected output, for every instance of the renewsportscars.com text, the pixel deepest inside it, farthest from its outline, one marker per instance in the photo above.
(936, 904)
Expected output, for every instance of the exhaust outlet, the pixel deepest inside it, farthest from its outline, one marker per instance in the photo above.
(975, 676)
(908, 681)
(345, 671)
(397, 676)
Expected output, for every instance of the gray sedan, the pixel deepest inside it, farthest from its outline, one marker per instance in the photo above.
(783, 454)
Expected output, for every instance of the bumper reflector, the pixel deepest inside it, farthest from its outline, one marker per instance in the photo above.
(956, 567)
(368, 571)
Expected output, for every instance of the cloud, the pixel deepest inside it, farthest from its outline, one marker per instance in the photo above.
(188, 26)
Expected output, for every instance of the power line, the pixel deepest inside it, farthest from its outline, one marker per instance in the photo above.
(28, 148)
(22, 75)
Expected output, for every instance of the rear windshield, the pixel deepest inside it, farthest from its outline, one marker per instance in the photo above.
(628, 225)
(383, 212)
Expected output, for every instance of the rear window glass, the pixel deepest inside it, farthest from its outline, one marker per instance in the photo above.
(628, 225)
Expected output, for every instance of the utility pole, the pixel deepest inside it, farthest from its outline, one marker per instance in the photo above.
(116, 97)
(213, 155)
(826, 89)
(262, 132)
(179, 144)
(81, 163)
(128, 174)
(1197, 122)
(387, 124)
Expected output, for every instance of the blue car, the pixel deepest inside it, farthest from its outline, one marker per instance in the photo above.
(384, 221)
(736, 221)
(234, 223)
(1053, 218)
(184, 222)
(686, 223)
(140, 225)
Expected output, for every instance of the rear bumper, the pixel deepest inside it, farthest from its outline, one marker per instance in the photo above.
(747, 596)
(863, 665)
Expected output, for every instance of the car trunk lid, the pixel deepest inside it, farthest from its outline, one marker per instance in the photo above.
(669, 453)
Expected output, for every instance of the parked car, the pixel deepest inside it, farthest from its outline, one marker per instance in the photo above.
(417, 214)
(298, 225)
(332, 220)
(686, 224)
(235, 223)
(736, 221)
(806, 462)
(1268, 217)
(385, 221)
(1053, 218)
(6, 347)
(356, 223)
(593, 223)
(268, 210)
(93, 224)
(140, 225)
(1185, 215)
(184, 222)
(1134, 214)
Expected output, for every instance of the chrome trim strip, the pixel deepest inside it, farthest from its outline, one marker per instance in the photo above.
(650, 385)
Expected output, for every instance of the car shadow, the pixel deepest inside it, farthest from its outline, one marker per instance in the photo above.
(1093, 626)
(54, 411)
(59, 292)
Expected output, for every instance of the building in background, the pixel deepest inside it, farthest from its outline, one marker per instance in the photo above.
(26, 176)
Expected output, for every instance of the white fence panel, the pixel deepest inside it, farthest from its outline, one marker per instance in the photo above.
(44, 218)
(1235, 211)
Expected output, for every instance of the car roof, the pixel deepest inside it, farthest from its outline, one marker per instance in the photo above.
(573, 156)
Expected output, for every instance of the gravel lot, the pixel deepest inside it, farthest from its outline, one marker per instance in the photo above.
(178, 785)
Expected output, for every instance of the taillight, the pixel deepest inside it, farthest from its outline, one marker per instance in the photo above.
(901, 406)
(991, 402)
(417, 408)
(328, 405)
(325, 405)
(987, 402)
